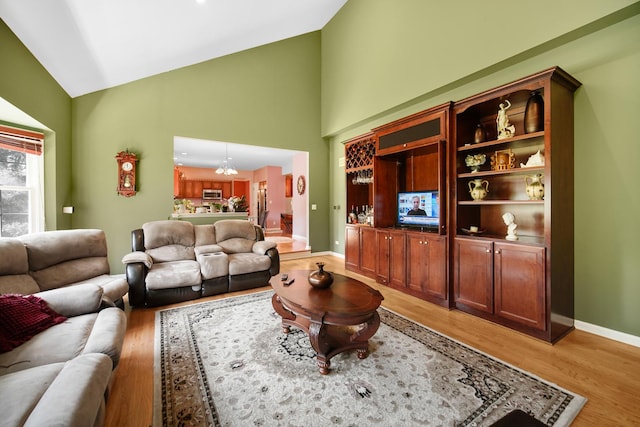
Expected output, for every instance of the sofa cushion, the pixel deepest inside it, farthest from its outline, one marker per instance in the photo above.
(49, 248)
(18, 284)
(58, 394)
(205, 234)
(14, 269)
(22, 317)
(171, 253)
(59, 343)
(242, 263)
(168, 275)
(230, 228)
(14, 257)
(74, 301)
(236, 245)
(70, 272)
(168, 232)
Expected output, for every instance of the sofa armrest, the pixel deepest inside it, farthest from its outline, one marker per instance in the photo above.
(138, 256)
(107, 334)
(261, 247)
(76, 396)
(74, 300)
(275, 261)
(136, 274)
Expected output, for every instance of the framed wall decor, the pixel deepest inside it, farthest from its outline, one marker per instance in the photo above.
(301, 184)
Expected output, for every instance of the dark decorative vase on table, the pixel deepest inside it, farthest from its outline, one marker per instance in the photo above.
(320, 279)
(534, 113)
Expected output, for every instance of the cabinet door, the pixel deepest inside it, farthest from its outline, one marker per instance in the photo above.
(197, 189)
(382, 262)
(188, 189)
(426, 265)
(226, 190)
(436, 273)
(415, 263)
(368, 251)
(397, 259)
(352, 248)
(519, 281)
(473, 274)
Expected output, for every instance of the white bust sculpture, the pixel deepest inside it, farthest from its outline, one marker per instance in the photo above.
(509, 220)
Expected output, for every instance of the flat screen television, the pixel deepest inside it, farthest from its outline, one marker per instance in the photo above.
(419, 209)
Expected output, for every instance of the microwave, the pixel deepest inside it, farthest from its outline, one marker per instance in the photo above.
(211, 194)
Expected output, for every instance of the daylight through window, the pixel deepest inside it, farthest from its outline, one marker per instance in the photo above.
(21, 183)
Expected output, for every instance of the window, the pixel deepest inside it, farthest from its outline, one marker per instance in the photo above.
(21, 182)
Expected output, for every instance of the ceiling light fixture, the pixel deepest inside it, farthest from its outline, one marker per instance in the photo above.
(226, 168)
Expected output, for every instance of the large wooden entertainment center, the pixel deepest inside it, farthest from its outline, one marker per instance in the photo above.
(523, 281)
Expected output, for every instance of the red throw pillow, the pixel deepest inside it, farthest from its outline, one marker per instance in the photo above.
(22, 317)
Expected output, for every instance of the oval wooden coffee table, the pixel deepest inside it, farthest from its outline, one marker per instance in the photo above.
(324, 314)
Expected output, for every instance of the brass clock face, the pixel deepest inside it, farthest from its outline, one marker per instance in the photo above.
(301, 184)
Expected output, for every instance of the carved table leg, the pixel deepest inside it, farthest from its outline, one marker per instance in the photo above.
(317, 336)
(366, 332)
(283, 312)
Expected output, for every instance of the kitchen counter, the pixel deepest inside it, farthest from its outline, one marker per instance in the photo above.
(209, 218)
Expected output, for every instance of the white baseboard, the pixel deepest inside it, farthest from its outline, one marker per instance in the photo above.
(608, 333)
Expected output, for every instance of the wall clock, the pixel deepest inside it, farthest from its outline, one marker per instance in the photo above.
(126, 173)
(301, 184)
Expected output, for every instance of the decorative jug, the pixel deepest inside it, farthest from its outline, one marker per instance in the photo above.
(534, 187)
(320, 279)
(478, 188)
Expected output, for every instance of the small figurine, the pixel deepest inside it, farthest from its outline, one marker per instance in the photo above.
(509, 220)
(505, 129)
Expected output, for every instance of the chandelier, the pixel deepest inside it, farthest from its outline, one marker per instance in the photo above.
(226, 168)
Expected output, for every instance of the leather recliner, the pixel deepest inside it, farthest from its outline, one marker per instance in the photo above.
(174, 261)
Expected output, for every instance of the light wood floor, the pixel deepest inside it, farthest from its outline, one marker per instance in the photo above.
(604, 371)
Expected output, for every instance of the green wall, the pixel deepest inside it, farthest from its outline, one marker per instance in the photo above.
(265, 96)
(595, 43)
(29, 87)
(374, 62)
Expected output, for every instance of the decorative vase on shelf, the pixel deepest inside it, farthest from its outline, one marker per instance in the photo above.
(320, 279)
(534, 187)
(534, 113)
(480, 135)
(478, 188)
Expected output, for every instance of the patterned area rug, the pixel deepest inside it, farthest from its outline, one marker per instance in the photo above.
(227, 363)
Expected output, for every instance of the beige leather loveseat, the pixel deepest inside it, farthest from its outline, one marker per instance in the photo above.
(174, 261)
(59, 346)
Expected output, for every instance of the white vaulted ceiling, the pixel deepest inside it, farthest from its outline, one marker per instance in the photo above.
(89, 45)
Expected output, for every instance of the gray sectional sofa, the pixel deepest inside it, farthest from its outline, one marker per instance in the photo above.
(61, 375)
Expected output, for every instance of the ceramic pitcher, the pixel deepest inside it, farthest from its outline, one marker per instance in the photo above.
(478, 188)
